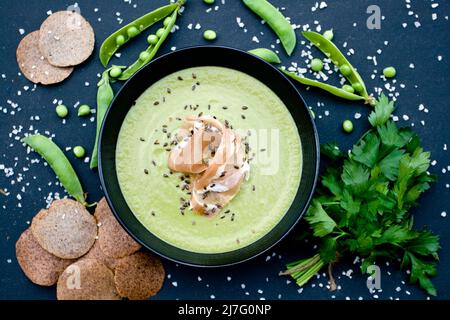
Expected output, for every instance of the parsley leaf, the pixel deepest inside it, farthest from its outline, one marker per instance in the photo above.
(383, 110)
(319, 220)
(363, 201)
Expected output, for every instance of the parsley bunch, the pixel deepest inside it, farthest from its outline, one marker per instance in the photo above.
(363, 201)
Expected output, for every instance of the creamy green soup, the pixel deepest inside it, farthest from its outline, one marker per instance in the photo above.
(155, 194)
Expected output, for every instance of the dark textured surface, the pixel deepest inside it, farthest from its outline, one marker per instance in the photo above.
(426, 84)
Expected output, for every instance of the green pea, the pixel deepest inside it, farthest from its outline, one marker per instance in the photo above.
(132, 32)
(160, 32)
(347, 125)
(209, 1)
(167, 21)
(389, 72)
(84, 110)
(329, 35)
(345, 70)
(316, 65)
(144, 56)
(115, 72)
(348, 88)
(62, 111)
(152, 39)
(210, 35)
(79, 152)
(58, 161)
(358, 87)
(120, 40)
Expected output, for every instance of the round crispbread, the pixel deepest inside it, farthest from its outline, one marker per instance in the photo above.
(113, 239)
(139, 276)
(40, 266)
(97, 253)
(66, 39)
(33, 64)
(66, 229)
(87, 279)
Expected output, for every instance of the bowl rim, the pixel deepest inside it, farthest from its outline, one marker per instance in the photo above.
(161, 254)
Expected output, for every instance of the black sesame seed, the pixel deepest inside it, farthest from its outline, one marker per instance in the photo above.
(197, 83)
(180, 78)
(145, 171)
(142, 139)
(156, 103)
(244, 107)
(156, 142)
(242, 116)
(154, 163)
(209, 107)
(153, 213)
(165, 175)
(194, 76)
(224, 107)
(169, 91)
(193, 87)
(253, 187)
(263, 149)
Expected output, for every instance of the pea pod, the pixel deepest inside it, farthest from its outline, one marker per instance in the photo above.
(122, 36)
(329, 88)
(151, 50)
(59, 163)
(337, 57)
(266, 54)
(105, 95)
(276, 21)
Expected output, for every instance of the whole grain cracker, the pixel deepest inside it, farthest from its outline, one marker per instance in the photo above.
(66, 39)
(66, 229)
(33, 64)
(139, 276)
(40, 266)
(87, 279)
(114, 240)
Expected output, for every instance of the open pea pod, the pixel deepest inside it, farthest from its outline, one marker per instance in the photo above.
(126, 33)
(151, 51)
(58, 161)
(324, 86)
(337, 57)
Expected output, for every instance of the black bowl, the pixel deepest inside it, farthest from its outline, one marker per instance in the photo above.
(195, 57)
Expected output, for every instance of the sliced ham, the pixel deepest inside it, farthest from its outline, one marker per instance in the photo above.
(215, 158)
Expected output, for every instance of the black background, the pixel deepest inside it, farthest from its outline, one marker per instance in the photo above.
(426, 84)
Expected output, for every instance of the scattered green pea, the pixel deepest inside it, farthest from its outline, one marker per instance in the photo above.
(209, 1)
(160, 32)
(84, 110)
(316, 65)
(347, 125)
(329, 35)
(210, 35)
(115, 72)
(389, 72)
(144, 56)
(358, 87)
(79, 151)
(348, 88)
(152, 39)
(345, 70)
(132, 32)
(62, 111)
(167, 21)
(120, 40)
